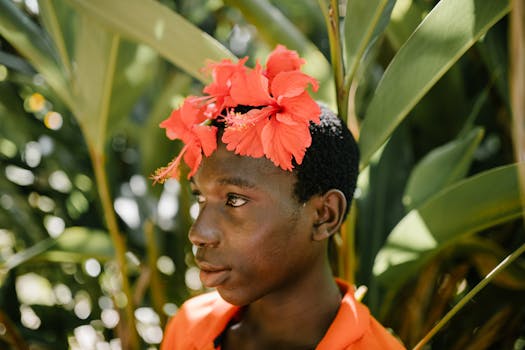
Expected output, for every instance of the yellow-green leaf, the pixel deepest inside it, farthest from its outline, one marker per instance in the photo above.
(151, 23)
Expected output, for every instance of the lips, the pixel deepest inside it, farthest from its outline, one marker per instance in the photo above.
(212, 275)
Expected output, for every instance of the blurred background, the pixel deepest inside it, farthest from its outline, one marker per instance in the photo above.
(93, 256)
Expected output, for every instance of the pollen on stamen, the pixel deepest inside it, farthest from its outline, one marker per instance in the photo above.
(238, 120)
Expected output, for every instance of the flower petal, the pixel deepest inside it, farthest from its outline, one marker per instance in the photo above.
(245, 141)
(173, 125)
(282, 60)
(250, 88)
(181, 120)
(283, 142)
(193, 158)
(301, 109)
(290, 84)
(207, 136)
(219, 88)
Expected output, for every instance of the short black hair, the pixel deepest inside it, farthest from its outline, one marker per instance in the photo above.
(331, 162)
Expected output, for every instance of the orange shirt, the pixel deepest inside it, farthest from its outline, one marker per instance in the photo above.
(201, 320)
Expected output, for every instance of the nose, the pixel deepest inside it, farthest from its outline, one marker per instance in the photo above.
(205, 232)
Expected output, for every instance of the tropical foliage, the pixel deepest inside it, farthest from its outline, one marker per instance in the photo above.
(93, 256)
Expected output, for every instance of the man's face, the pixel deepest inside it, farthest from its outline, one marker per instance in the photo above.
(254, 238)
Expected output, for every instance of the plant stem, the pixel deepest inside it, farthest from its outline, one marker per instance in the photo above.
(331, 16)
(119, 243)
(347, 263)
(11, 333)
(517, 88)
(158, 293)
(477, 288)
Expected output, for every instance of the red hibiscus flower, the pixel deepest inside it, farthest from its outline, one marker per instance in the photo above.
(184, 123)
(287, 108)
(277, 125)
(282, 60)
(219, 89)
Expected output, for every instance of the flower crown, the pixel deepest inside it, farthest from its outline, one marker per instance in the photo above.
(276, 125)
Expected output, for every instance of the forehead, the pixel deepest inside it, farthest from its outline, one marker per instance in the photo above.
(226, 168)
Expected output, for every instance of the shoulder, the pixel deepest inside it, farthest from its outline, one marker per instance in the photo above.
(355, 328)
(376, 337)
(198, 321)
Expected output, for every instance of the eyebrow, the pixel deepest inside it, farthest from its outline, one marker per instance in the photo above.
(232, 180)
(236, 181)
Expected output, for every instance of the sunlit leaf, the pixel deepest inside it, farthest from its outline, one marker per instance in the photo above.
(59, 20)
(136, 67)
(406, 16)
(364, 20)
(96, 55)
(440, 168)
(74, 244)
(441, 39)
(85, 242)
(27, 254)
(155, 25)
(275, 29)
(476, 203)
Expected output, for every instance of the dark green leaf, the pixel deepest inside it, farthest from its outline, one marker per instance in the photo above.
(441, 39)
(479, 202)
(441, 168)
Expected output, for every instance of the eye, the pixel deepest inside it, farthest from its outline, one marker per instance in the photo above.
(199, 197)
(235, 200)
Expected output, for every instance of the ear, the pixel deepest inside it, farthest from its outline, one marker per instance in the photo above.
(330, 207)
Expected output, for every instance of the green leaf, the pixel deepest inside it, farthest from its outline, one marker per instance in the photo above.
(155, 25)
(441, 168)
(26, 255)
(440, 40)
(494, 52)
(275, 29)
(136, 68)
(110, 75)
(272, 25)
(34, 44)
(406, 16)
(479, 202)
(59, 20)
(16, 63)
(85, 242)
(74, 244)
(362, 21)
(379, 205)
(96, 55)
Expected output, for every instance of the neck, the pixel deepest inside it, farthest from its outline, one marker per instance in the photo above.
(309, 305)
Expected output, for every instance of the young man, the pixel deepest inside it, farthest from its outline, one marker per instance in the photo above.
(274, 184)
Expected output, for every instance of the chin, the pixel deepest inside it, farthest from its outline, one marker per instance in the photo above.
(234, 296)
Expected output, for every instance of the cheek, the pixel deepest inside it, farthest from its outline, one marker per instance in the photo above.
(262, 239)
(270, 247)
